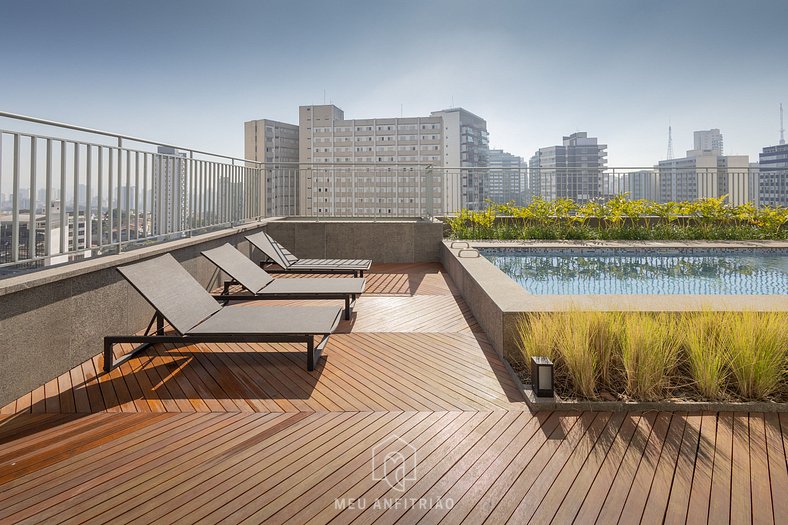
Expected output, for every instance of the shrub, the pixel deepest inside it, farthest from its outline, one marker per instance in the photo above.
(575, 347)
(622, 219)
(650, 356)
(758, 344)
(707, 354)
(649, 352)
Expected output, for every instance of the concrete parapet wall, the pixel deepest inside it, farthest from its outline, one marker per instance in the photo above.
(54, 319)
(391, 241)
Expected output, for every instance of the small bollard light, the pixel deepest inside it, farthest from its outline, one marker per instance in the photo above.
(542, 376)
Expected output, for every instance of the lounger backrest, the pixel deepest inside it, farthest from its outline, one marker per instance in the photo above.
(239, 267)
(263, 242)
(289, 257)
(169, 288)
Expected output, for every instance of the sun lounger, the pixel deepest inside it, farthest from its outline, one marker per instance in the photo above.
(197, 317)
(261, 285)
(288, 262)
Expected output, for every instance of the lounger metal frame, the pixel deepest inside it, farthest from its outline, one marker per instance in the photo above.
(313, 351)
(226, 296)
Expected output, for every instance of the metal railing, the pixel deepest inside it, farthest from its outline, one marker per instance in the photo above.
(64, 199)
(78, 192)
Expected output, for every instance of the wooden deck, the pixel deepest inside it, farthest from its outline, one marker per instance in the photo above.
(242, 433)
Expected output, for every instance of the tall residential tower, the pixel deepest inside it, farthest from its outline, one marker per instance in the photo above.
(572, 170)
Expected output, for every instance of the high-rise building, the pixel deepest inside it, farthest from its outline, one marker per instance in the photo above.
(505, 178)
(572, 170)
(709, 140)
(704, 174)
(641, 184)
(275, 144)
(773, 180)
(465, 146)
(753, 181)
(389, 166)
(169, 197)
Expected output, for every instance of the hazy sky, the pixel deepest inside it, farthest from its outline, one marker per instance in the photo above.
(191, 72)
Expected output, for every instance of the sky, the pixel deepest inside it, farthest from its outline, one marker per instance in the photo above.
(191, 72)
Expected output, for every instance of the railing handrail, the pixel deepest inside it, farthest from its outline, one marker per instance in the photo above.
(121, 136)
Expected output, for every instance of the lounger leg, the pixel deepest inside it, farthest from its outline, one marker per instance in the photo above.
(311, 359)
(159, 324)
(108, 357)
(347, 308)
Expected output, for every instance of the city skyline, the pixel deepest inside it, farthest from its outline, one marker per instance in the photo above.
(191, 73)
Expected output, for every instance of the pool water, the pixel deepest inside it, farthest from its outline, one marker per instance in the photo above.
(567, 274)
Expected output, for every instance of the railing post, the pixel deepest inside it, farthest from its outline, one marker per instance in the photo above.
(120, 212)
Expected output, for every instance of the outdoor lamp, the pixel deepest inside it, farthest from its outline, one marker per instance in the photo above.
(542, 376)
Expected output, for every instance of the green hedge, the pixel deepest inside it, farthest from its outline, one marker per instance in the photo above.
(622, 219)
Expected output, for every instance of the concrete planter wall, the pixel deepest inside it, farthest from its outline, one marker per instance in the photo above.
(497, 301)
(55, 319)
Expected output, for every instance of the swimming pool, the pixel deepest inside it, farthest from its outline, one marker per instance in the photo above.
(603, 273)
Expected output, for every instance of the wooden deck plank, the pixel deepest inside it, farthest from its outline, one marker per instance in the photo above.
(607, 508)
(565, 463)
(700, 492)
(241, 432)
(667, 424)
(741, 499)
(66, 394)
(473, 462)
(720, 501)
(762, 506)
(659, 493)
(686, 460)
(38, 401)
(355, 476)
(108, 500)
(431, 468)
(581, 467)
(454, 426)
(114, 391)
(61, 481)
(75, 472)
(79, 385)
(280, 450)
(93, 389)
(593, 482)
(276, 492)
(778, 467)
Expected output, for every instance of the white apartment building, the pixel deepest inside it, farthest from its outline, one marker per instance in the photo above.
(641, 184)
(709, 140)
(773, 180)
(386, 166)
(275, 144)
(465, 146)
(573, 170)
(703, 174)
(505, 178)
(169, 196)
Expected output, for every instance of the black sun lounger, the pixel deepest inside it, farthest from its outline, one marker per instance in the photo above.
(262, 286)
(288, 262)
(199, 318)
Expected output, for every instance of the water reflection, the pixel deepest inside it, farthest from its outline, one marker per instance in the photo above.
(701, 275)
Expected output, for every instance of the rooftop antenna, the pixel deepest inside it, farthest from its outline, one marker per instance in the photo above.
(782, 129)
(670, 141)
